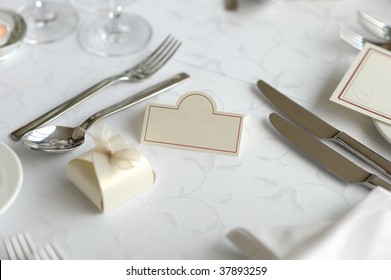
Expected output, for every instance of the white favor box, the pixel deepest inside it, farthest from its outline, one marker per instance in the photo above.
(105, 183)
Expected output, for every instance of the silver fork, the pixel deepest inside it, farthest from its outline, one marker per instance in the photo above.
(376, 27)
(50, 251)
(357, 41)
(22, 247)
(145, 69)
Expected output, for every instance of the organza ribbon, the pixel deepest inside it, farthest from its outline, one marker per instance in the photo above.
(119, 155)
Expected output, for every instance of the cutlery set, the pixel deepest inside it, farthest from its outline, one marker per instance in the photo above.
(63, 138)
(374, 26)
(59, 139)
(317, 150)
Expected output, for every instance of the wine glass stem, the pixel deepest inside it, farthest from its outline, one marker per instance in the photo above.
(42, 15)
(40, 3)
(115, 28)
(115, 10)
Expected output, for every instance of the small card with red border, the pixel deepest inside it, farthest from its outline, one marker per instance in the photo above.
(193, 124)
(366, 86)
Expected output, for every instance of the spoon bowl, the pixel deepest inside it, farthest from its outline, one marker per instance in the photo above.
(54, 138)
(62, 138)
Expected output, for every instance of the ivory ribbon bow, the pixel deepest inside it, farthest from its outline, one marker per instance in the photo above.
(120, 155)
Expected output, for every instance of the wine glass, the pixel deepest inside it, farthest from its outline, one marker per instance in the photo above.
(94, 6)
(48, 21)
(115, 34)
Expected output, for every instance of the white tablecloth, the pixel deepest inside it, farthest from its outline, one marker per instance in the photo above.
(198, 197)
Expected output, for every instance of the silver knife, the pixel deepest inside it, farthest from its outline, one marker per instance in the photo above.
(324, 155)
(322, 129)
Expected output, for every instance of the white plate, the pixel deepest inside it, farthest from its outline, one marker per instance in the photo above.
(11, 176)
(384, 129)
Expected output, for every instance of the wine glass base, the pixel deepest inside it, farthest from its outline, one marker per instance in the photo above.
(58, 21)
(125, 35)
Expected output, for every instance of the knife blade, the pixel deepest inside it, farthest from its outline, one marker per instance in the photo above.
(324, 155)
(322, 129)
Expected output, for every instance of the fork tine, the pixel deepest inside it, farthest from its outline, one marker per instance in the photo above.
(161, 52)
(156, 59)
(20, 247)
(152, 56)
(29, 246)
(158, 50)
(29, 241)
(373, 25)
(10, 249)
(50, 251)
(350, 37)
(56, 250)
(369, 19)
(164, 58)
(357, 41)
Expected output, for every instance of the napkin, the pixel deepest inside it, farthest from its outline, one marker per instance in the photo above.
(363, 233)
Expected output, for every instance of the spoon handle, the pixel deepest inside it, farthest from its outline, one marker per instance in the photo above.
(62, 108)
(133, 100)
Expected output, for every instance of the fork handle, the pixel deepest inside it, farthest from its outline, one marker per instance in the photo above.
(67, 105)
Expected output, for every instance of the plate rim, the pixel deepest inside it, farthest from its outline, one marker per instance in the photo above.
(382, 128)
(17, 182)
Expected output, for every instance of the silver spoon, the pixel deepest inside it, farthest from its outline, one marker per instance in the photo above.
(61, 138)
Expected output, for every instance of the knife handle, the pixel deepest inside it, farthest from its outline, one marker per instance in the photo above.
(365, 153)
(378, 182)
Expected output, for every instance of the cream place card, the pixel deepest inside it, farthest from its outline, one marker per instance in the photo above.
(366, 86)
(193, 124)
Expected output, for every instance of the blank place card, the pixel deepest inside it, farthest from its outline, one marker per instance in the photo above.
(193, 124)
(366, 86)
